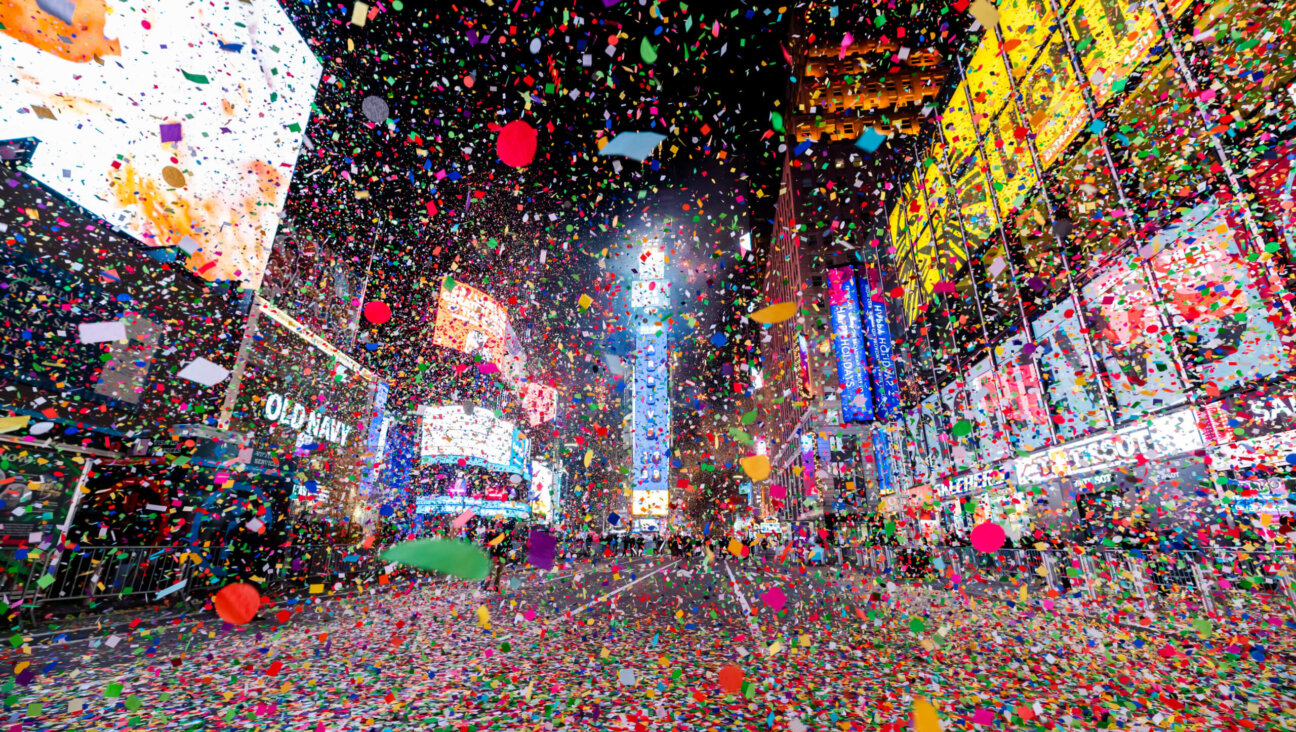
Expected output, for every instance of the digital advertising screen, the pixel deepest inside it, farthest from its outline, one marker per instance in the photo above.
(1215, 300)
(848, 343)
(182, 130)
(1021, 396)
(540, 403)
(652, 415)
(1124, 326)
(649, 503)
(452, 433)
(545, 492)
(471, 321)
(1072, 386)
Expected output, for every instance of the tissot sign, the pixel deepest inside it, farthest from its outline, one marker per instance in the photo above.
(1171, 434)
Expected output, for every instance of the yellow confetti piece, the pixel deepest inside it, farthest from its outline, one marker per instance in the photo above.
(483, 616)
(589, 457)
(316, 589)
(10, 424)
(585, 301)
(757, 467)
(776, 313)
(925, 718)
(496, 540)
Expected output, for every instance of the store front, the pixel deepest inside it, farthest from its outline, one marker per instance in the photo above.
(963, 502)
(1147, 475)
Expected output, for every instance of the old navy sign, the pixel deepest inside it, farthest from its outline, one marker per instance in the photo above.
(298, 417)
(848, 342)
(882, 364)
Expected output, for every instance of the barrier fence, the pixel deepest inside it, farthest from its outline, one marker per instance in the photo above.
(1216, 580)
(99, 579)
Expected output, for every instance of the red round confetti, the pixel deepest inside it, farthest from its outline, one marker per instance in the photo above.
(516, 144)
(988, 537)
(377, 312)
(237, 604)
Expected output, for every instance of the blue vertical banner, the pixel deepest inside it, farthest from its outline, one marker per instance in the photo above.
(882, 459)
(882, 365)
(848, 342)
(373, 442)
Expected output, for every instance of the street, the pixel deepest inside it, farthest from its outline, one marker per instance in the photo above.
(639, 644)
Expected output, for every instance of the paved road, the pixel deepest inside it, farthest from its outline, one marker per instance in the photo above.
(637, 645)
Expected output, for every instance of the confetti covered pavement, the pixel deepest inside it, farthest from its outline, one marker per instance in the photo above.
(657, 644)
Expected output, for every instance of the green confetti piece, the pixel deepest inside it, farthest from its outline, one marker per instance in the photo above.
(195, 78)
(647, 52)
(455, 558)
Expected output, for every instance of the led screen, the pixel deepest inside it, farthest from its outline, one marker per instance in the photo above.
(543, 491)
(848, 342)
(178, 122)
(540, 403)
(1125, 327)
(651, 414)
(649, 503)
(1072, 385)
(451, 434)
(1226, 332)
(304, 406)
(471, 321)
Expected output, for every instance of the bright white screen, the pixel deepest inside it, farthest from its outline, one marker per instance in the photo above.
(240, 131)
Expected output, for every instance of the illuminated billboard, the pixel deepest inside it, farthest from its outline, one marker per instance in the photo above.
(452, 433)
(544, 492)
(1124, 322)
(540, 403)
(179, 123)
(471, 321)
(880, 358)
(1216, 300)
(848, 342)
(649, 503)
(651, 454)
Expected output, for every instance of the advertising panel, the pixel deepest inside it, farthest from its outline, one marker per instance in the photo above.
(452, 433)
(455, 506)
(377, 433)
(182, 131)
(882, 366)
(1125, 327)
(651, 422)
(848, 342)
(471, 321)
(1164, 436)
(299, 399)
(804, 384)
(1053, 101)
(649, 503)
(1226, 330)
(882, 461)
(540, 403)
(1112, 39)
(1021, 399)
(988, 425)
(809, 481)
(1072, 387)
(543, 490)
(1026, 26)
